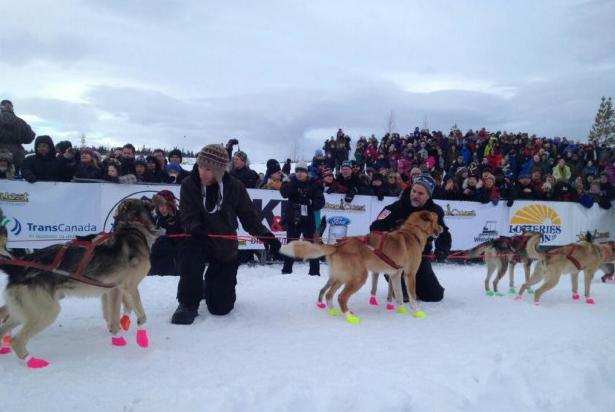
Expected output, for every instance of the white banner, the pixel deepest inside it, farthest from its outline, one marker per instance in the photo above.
(44, 213)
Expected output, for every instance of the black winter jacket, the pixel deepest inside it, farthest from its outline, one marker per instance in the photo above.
(236, 203)
(308, 193)
(393, 215)
(48, 168)
(247, 176)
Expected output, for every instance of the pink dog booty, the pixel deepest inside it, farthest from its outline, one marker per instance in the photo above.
(373, 301)
(142, 338)
(35, 363)
(118, 341)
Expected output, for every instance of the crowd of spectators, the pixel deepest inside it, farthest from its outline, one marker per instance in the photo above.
(479, 166)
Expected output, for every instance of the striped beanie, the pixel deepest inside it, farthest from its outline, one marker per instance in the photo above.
(214, 157)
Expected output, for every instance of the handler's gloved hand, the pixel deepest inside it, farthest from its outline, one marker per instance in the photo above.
(350, 195)
(440, 255)
(510, 202)
(273, 245)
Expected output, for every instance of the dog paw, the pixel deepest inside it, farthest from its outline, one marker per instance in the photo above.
(512, 291)
(402, 310)
(35, 363)
(576, 296)
(390, 306)
(519, 297)
(373, 301)
(353, 319)
(530, 291)
(590, 301)
(142, 338)
(125, 322)
(5, 350)
(321, 305)
(419, 314)
(141, 320)
(118, 341)
(334, 312)
(489, 293)
(498, 294)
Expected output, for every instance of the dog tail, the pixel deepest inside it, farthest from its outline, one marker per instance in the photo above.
(306, 250)
(531, 248)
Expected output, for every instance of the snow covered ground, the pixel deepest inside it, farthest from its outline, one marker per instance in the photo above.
(278, 352)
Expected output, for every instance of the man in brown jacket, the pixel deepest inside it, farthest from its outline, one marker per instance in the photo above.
(211, 201)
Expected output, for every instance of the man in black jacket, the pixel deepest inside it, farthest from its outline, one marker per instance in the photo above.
(210, 202)
(416, 198)
(43, 165)
(304, 198)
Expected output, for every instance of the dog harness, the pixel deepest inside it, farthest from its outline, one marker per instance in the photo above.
(88, 245)
(378, 251)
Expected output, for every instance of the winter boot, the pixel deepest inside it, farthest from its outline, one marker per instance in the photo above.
(288, 267)
(185, 314)
(314, 267)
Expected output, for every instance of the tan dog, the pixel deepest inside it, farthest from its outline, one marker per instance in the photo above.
(33, 296)
(501, 254)
(583, 256)
(352, 259)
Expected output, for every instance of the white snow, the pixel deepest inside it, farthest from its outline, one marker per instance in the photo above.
(278, 352)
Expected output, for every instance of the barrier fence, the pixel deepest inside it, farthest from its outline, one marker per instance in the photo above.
(44, 213)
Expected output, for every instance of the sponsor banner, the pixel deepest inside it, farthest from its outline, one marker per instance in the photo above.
(472, 223)
(598, 222)
(553, 219)
(46, 213)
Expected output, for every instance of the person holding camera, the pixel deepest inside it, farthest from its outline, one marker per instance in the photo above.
(304, 198)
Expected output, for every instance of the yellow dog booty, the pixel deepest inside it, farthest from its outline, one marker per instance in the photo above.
(334, 312)
(353, 319)
(419, 314)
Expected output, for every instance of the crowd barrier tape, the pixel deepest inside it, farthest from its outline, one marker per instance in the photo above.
(44, 213)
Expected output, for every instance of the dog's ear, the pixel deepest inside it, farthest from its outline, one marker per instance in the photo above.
(426, 216)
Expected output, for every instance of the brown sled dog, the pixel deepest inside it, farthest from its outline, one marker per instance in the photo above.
(352, 258)
(501, 254)
(32, 296)
(582, 256)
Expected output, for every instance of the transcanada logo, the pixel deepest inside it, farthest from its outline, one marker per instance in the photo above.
(537, 218)
(16, 229)
(33, 227)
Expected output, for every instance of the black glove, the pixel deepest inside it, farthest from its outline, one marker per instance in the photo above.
(440, 255)
(30, 178)
(510, 202)
(273, 246)
(232, 142)
(350, 195)
(380, 196)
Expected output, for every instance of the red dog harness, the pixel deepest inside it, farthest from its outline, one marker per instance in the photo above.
(88, 245)
(377, 250)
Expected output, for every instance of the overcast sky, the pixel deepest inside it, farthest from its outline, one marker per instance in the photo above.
(278, 74)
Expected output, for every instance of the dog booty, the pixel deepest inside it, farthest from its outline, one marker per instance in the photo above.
(118, 341)
(142, 338)
(35, 363)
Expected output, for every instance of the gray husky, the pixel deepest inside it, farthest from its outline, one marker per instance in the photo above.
(32, 296)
